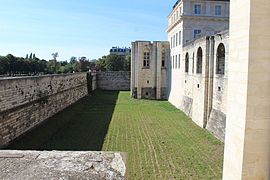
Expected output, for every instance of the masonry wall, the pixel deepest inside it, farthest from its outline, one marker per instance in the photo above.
(113, 80)
(202, 96)
(28, 101)
(216, 122)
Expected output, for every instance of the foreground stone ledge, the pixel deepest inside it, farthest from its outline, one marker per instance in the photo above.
(62, 165)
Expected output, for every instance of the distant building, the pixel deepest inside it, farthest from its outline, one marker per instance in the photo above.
(120, 51)
(149, 63)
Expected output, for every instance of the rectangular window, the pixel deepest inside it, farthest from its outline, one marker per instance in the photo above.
(179, 59)
(218, 10)
(163, 58)
(193, 65)
(173, 62)
(146, 59)
(180, 38)
(171, 42)
(163, 63)
(176, 39)
(176, 62)
(197, 9)
(197, 33)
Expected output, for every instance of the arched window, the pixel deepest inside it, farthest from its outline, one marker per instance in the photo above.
(220, 65)
(146, 58)
(199, 61)
(187, 63)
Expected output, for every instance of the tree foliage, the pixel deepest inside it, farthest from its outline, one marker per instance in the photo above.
(113, 63)
(31, 65)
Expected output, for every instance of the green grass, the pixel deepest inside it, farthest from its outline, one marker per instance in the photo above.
(161, 142)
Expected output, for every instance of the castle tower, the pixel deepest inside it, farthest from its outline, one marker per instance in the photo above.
(149, 63)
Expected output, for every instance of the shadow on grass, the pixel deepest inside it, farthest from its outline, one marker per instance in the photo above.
(82, 126)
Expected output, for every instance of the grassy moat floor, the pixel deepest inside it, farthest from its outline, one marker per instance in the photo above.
(161, 142)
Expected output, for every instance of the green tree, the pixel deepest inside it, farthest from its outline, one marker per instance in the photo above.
(56, 65)
(73, 60)
(114, 63)
(3, 65)
(11, 64)
(127, 63)
(83, 65)
(101, 64)
(55, 55)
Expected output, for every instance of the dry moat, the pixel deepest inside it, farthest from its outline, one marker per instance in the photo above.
(161, 142)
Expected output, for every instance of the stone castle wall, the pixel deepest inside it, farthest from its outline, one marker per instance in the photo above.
(202, 96)
(113, 80)
(28, 101)
(216, 122)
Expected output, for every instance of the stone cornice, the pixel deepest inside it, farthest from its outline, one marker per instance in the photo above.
(183, 17)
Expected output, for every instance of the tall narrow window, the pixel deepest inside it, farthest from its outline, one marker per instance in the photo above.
(173, 62)
(179, 59)
(193, 63)
(187, 63)
(220, 64)
(199, 61)
(176, 61)
(171, 42)
(180, 38)
(218, 10)
(146, 58)
(176, 39)
(197, 9)
(163, 58)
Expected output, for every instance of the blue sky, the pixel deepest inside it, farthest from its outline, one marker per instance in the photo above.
(79, 27)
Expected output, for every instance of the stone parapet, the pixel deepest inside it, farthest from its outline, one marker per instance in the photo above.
(62, 165)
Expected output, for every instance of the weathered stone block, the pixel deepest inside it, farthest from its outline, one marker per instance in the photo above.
(62, 165)
(217, 124)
